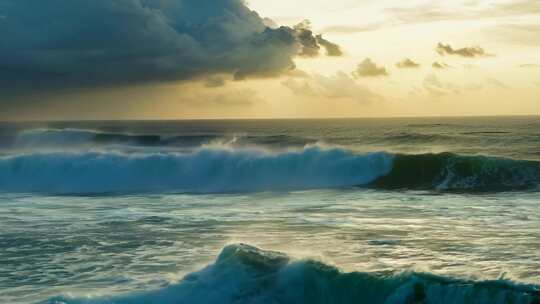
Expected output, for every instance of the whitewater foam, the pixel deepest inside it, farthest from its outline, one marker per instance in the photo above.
(245, 274)
(202, 171)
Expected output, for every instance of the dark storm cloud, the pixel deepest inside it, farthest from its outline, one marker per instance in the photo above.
(470, 52)
(78, 43)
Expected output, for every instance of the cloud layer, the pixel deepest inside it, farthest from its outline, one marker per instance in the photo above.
(78, 43)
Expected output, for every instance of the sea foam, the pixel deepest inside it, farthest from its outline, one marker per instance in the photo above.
(202, 171)
(244, 274)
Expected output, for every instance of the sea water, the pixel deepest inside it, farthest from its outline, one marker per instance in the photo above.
(279, 211)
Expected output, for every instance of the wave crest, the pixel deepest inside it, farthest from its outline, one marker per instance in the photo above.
(245, 274)
(203, 171)
(222, 169)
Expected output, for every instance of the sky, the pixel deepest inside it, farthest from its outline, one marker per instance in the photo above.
(213, 59)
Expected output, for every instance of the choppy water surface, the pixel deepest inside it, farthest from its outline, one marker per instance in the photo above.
(110, 245)
(409, 211)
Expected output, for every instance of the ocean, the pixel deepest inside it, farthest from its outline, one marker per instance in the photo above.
(401, 210)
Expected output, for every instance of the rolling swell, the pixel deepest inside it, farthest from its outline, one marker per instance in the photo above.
(245, 274)
(452, 172)
(79, 137)
(66, 138)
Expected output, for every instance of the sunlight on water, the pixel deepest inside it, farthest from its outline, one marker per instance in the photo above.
(112, 245)
(409, 210)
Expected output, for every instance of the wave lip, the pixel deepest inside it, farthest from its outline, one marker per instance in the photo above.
(202, 171)
(245, 274)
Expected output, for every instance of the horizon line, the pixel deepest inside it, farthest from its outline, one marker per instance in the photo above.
(265, 119)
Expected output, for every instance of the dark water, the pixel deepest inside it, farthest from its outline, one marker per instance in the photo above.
(438, 210)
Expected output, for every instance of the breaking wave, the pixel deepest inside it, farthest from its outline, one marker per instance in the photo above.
(245, 274)
(215, 170)
(203, 171)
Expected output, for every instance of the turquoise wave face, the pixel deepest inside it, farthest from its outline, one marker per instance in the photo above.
(227, 170)
(245, 274)
(202, 171)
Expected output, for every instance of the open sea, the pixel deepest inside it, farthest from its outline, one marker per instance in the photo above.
(416, 210)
